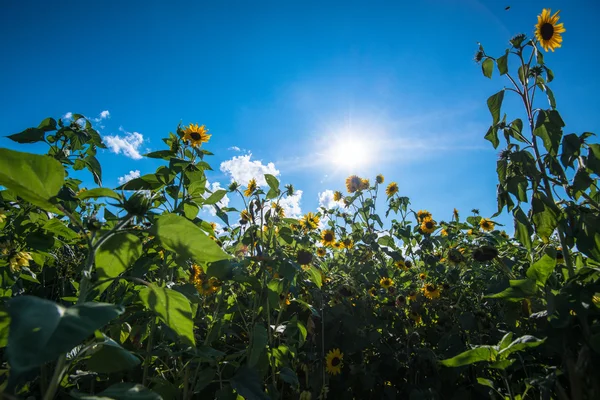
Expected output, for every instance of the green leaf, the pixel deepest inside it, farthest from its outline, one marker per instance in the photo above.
(41, 330)
(111, 357)
(520, 344)
(485, 382)
(47, 125)
(58, 228)
(181, 236)
(518, 290)
(4, 328)
(571, 147)
(492, 136)
(506, 340)
(588, 236)
(215, 197)
(551, 98)
(523, 228)
(314, 274)
(545, 215)
(272, 182)
(116, 254)
(248, 384)
(523, 73)
(120, 391)
(494, 103)
(515, 129)
(481, 353)
(162, 154)
(541, 270)
(146, 182)
(93, 165)
(517, 185)
(35, 178)
(98, 192)
(593, 158)
(581, 182)
(289, 376)
(259, 344)
(29, 135)
(487, 67)
(549, 126)
(173, 308)
(502, 63)
(190, 210)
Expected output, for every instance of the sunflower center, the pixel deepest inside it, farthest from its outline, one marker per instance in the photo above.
(547, 31)
(335, 361)
(195, 135)
(429, 224)
(328, 237)
(430, 288)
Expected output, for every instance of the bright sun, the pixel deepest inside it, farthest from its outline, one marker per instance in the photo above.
(350, 152)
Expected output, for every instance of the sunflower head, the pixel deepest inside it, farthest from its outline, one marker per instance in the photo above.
(412, 296)
(321, 252)
(431, 291)
(337, 195)
(391, 189)
(328, 237)
(423, 215)
(334, 362)
(364, 184)
(422, 276)
(353, 183)
(415, 316)
(386, 282)
(379, 179)
(548, 30)
(196, 135)
(428, 225)
(400, 301)
(444, 232)
(310, 221)
(401, 264)
(304, 257)
(252, 186)
(348, 243)
(517, 40)
(408, 264)
(338, 245)
(486, 224)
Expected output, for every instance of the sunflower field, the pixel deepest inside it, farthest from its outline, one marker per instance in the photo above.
(126, 293)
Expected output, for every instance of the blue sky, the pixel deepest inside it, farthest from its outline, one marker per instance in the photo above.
(286, 80)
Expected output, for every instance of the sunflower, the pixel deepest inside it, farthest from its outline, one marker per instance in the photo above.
(430, 291)
(470, 232)
(455, 214)
(327, 237)
(444, 232)
(337, 195)
(244, 216)
(364, 184)
(548, 30)
(304, 257)
(400, 264)
(412, 296)
(196, 134)
(353, 183)
(408, 264)
(21, 259)
(415, 317)
(379, 179)
(203, 285)
(372, 292)
(2, 217)
(321, 252)
(338, 245)
(400, 301)
(422, 276)
(334, 362)
(386, 283)
(279, 211)
(391, 189)
(252, 186)
(428, 225)
(423, 215)
(486, 224)
(348, 243)
(310, 221)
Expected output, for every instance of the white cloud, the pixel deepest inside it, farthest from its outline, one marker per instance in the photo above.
(68, 115)
(128, 144)
(234, 148)
(224, 202)
(326, 200)
(103, 115)
(291, 205)
(241, 169)
(127, 177)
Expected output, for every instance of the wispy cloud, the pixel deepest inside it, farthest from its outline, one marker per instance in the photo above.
(103, 115)
(241, 169)
(127, 177)
(129, 144)
(234, 148)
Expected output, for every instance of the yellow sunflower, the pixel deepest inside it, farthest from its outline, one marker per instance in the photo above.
(415, 317)
(334, 362)
(428, 225)
(353, 183)
(548, 30)
(310, 221)
(431, 291)
(486, 224)
(321, 252)
(348, 243)
(337, 195)
(423, 215)
(444, 232)
(400, 264)
(422, 276)
(2, 217)
(327, 237)
(252, 186)
(338, 245)
(279, 211)
(364, 184)
(203, 286)
(391, 189)
(379, 179)
(245, 216)
(386, 283)
(412, 296)
(196, 135)
(21, 259)
(372, 292)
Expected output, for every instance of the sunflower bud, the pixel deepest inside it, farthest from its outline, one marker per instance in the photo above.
(139, 203)
(479, 56)
(92, 224)
(485, 253)
(289, 190)
(233, 186)
(517, 40)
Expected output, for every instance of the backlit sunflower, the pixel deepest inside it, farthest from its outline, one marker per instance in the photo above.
(486, 224)
(391, 189)
(327, 237)
(431, 291)
(252, 186)
(379, 179)
(310, 221)
(321, 252)
(364, 184)
(304, 257)
(203, 286)
(337, 195)
(386, 282)
(353, 183)
(334, 361)
(548, 30)
(428, 225)
(423, 215)
(196, 135)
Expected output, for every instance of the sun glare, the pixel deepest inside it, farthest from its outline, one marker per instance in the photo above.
(350, 152)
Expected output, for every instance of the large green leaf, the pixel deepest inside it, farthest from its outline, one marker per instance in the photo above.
(593, 159)
(487, 67)
(116, 254)
(173, 308)
(503, 63)
(481, 353)
(272, 182)
(41, 330)
(57, 228)
(181, 236)
(215, 197)
(120, 391)
(518, 290)
(35, 178)
(111, 357)
(545, 215)
(259, 343)
(542, 268)
(248, 384)
(494, 103)
(520, 344)
(99, 192)
(523, 228)
(548, 126)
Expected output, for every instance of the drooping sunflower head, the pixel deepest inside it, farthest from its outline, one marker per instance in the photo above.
(431, 291)
(423, 215)
(455, 214)
(353, 183)
(334, 362)
(279, 211)
(391, 189)
(321, 252)
(486, 224)
(428, 225)
(337, 195)
(252, 186)
(386, 282)
(379, 179)
(364, 184)
(196, 135)
(244, 217)
(310, 221)
(328, 237)
(304, 257)
(548, 30)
